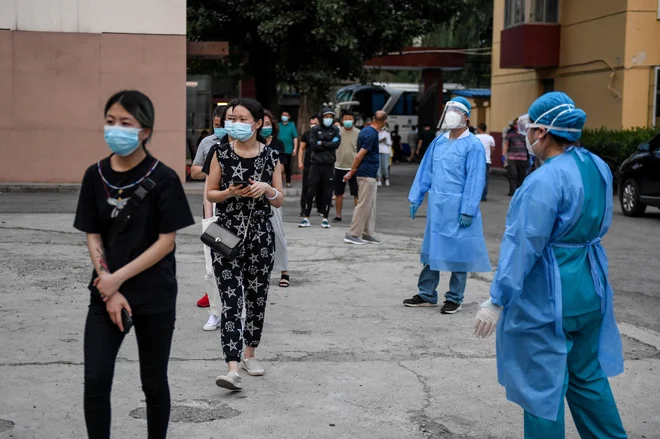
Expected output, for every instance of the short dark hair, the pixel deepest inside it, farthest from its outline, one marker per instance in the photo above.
(482, 126)
(285, 111)
(427, 125)
(219, 111)
(348, 113)
(313, 116)
(138, 105)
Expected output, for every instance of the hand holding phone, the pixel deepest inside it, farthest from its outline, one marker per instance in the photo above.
(239, 188)
(126, 320)
(242, 184)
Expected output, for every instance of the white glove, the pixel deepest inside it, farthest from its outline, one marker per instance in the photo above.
(487, 318)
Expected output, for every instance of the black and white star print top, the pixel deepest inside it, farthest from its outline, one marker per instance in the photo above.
(234, 212)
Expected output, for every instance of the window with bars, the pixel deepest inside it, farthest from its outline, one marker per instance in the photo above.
(530, 11)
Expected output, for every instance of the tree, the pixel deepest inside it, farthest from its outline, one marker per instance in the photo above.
(311, 44)
(471, 28)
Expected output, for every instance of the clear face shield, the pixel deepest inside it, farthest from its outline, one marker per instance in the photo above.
(454, 116)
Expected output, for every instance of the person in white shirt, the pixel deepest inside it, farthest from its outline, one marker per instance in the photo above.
(489, 147)
(385, 150)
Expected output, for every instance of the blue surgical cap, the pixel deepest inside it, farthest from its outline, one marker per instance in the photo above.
(465, 102)
(557, 112)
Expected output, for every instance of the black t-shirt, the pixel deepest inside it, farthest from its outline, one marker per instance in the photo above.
(279, 146)
(396, 140)
(427, 137)
(307, 160)
(164, 210)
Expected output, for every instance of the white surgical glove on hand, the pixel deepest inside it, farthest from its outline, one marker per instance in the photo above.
(487, 318)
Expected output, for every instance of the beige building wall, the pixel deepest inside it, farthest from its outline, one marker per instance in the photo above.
(55, 80)
(608, 53)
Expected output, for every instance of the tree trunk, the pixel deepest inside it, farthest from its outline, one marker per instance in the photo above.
(265, 80)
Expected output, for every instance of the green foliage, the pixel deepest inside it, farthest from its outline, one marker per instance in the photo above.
(472, 28)
(311, 44)
(614, 146)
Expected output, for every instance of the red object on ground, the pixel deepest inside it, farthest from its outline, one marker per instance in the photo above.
(204, 302)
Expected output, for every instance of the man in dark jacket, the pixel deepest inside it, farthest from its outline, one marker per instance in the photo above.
(324, 139)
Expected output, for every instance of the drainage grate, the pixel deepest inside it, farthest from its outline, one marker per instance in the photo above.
(193, 411)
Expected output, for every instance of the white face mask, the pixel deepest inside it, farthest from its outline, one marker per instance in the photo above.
(530, 145)
(453, 120)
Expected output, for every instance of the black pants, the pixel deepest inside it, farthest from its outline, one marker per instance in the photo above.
(244, 282)
(517, 171)
(287, 167)
(305, 188)
(320, 182)
(102, 342)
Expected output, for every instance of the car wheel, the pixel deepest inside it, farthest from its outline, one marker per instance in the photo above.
(630, 203)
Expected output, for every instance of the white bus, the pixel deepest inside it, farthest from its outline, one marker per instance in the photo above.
(398, 100)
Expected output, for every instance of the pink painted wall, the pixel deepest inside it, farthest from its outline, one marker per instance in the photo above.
(54, 85)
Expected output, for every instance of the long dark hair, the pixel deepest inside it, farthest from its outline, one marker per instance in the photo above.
(138, 105)
(273, 122)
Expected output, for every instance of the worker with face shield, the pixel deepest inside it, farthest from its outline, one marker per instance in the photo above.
(453, 172)
(557, 336)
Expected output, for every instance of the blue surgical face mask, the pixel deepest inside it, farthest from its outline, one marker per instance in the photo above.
(348, 124)
(285, 118)
(267, 131)
(123, 141)
(219, 132)
(228, 127)
(241, 131)
(327, 121)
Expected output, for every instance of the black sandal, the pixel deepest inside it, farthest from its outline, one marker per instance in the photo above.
(284, 281)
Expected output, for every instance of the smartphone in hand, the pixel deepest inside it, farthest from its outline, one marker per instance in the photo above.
(242, 183)
(126, 321)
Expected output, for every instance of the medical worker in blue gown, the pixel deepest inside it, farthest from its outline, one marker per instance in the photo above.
(453, 172)
(557, 336)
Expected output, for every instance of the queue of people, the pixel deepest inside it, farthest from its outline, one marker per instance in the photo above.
(550, 304)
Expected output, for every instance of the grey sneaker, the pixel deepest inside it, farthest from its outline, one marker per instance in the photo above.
(231, 381)
(350, 239)
(371, 240)
(252, 367)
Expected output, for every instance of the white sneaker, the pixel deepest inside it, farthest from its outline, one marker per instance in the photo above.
(213, 323)
(252, 367)
(231, 381)
(325, 224)
(387, 182)
(380, 183)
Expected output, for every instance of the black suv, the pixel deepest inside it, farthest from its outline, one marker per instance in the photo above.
(639, 179)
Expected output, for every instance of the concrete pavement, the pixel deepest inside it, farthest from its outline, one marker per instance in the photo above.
(344, 358)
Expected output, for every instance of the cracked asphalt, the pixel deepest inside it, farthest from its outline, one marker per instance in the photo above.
(344, 358)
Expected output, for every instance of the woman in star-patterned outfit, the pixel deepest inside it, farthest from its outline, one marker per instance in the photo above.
(243, 281)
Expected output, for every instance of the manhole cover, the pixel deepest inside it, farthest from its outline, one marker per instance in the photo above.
(5, 425)
(193, 411)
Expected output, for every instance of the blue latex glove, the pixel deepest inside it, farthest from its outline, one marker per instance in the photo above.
(336, 139)
(465, 221)
(503, 158)
(413, 210)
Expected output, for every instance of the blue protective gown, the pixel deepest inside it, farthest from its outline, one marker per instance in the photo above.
(453, 172)
(532, 286)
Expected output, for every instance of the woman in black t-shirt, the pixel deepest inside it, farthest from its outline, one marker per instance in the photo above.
(134, 264)
(246, 211)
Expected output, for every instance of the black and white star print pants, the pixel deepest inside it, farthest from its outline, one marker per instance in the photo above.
(244, 282)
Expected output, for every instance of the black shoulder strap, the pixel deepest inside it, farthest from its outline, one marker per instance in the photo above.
(134, 202)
